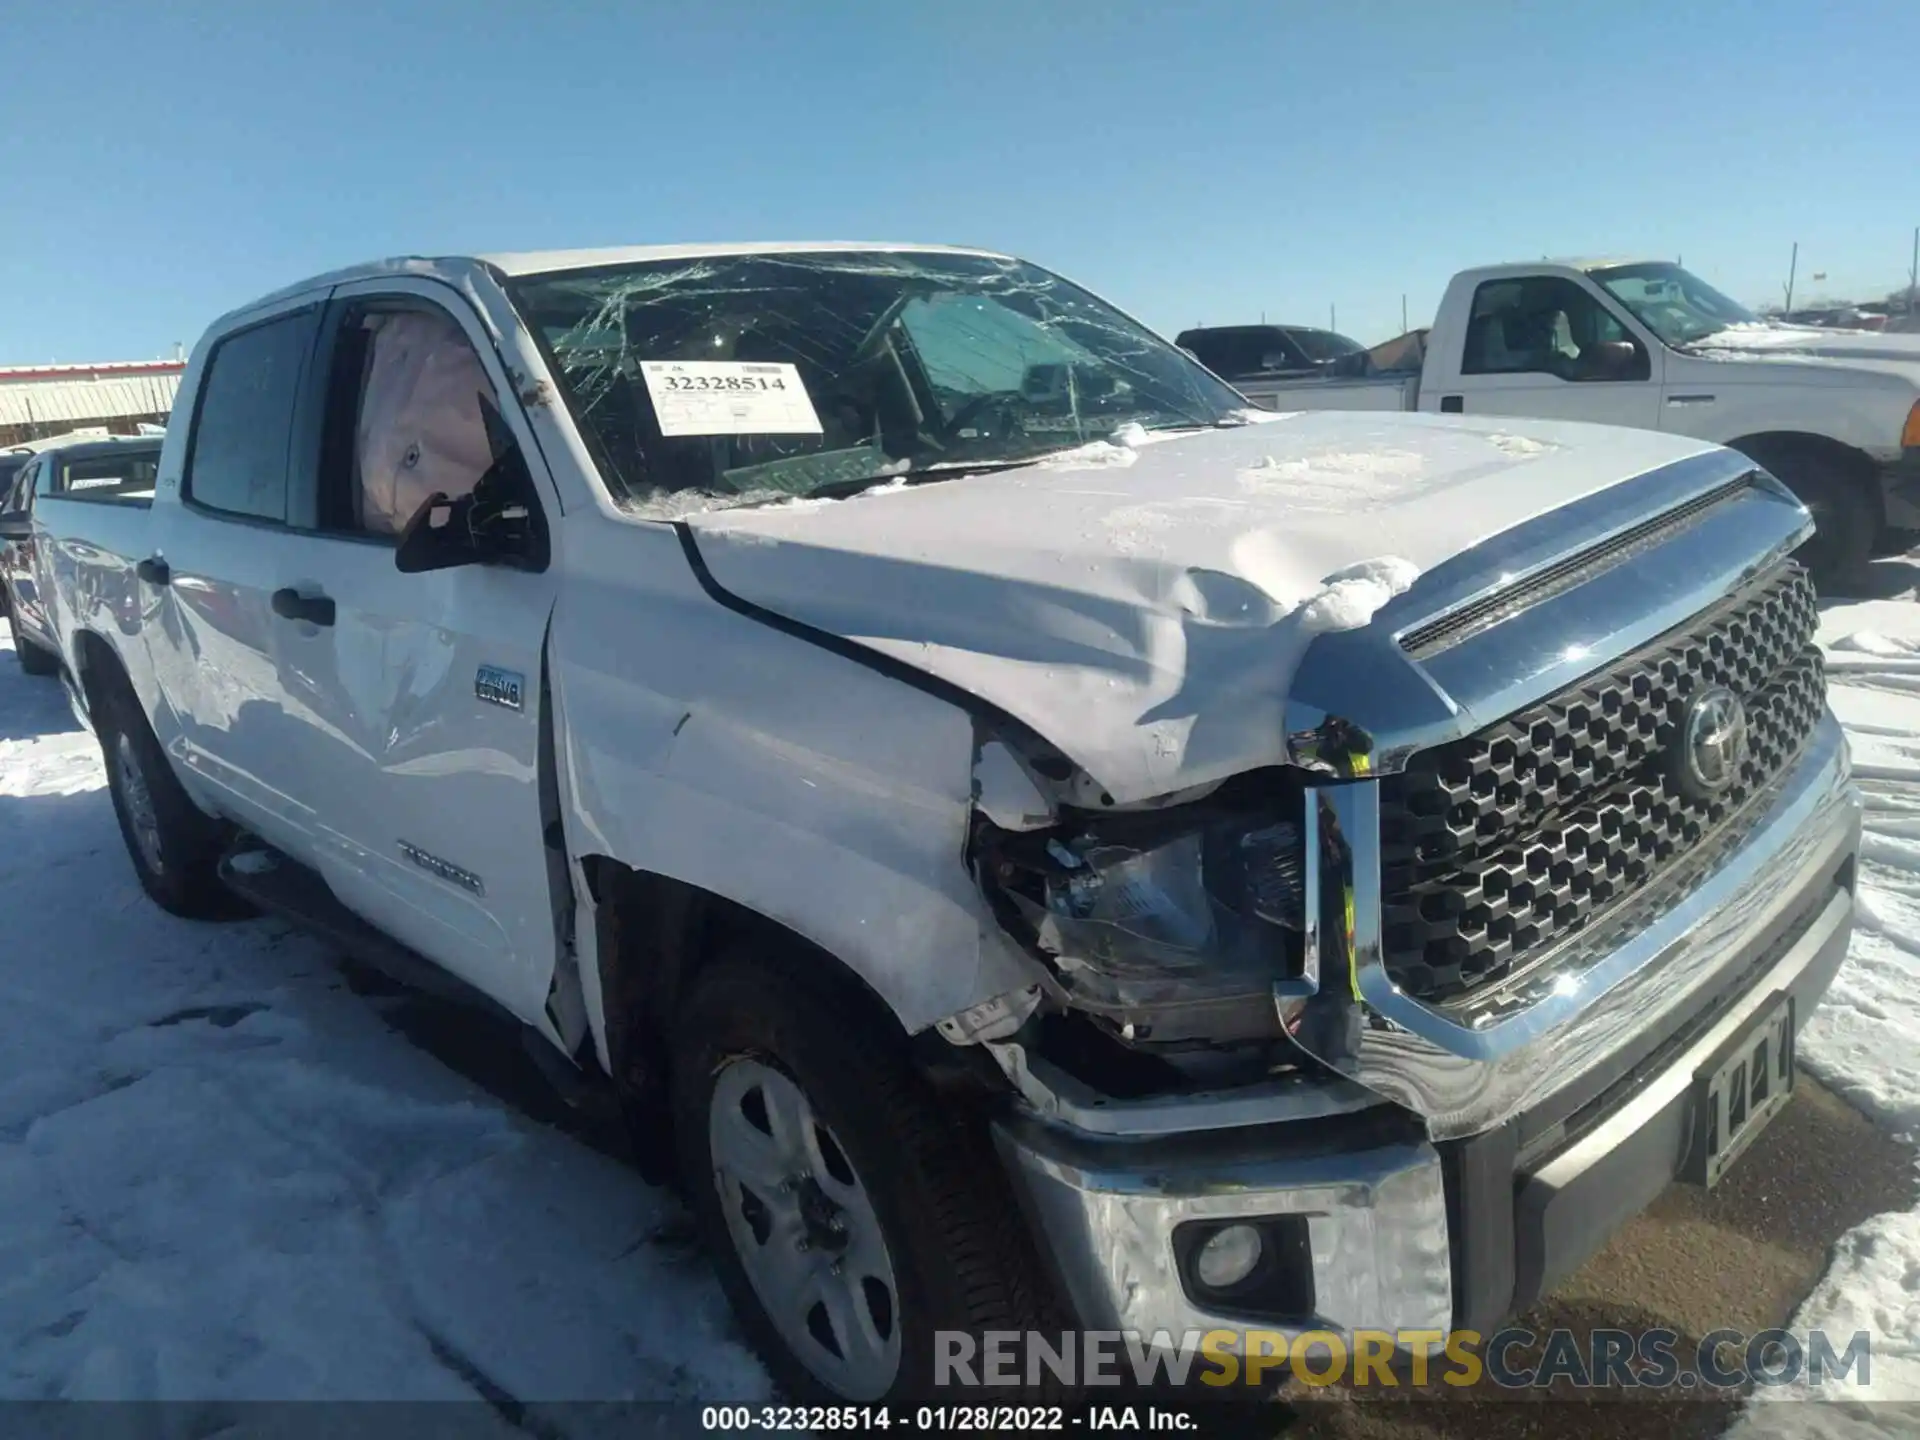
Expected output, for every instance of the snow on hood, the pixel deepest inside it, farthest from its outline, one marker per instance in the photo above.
(1800, 342)
(1146, 617)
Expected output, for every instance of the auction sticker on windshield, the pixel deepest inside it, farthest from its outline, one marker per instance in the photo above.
(729, 397)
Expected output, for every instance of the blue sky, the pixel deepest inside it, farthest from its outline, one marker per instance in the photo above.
(1193, 162)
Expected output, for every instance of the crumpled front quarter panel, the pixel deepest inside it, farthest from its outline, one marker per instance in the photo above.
(706, 745)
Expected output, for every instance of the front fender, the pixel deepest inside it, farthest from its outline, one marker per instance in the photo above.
(700, 744)
(1861, 410)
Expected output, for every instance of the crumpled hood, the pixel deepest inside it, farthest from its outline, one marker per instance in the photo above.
(1144, 609)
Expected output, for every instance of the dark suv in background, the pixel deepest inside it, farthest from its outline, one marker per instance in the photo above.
(1249, 352)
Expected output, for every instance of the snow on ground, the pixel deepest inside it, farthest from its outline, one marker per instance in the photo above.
(1864, 1041)
(223, 1175)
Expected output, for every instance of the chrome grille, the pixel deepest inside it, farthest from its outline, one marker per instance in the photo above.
(1498, 844)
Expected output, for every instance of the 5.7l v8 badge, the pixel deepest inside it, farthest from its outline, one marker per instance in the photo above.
(500, 687)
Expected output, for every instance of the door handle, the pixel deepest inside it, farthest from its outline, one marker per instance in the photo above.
(1690, 399)
(292, 605)
(1452, 404)
(154, 571)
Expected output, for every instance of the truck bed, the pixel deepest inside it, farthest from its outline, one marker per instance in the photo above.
(1376, 392)
(89, 552)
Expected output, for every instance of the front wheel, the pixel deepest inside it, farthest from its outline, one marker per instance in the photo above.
(1846, 517)
(851, 1216)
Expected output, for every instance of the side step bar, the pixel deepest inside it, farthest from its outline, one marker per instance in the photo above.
(296, 893)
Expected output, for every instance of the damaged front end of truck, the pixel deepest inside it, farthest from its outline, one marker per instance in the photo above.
(1406, 1023)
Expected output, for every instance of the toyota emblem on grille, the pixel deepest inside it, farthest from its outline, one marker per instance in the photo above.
(1713, 741)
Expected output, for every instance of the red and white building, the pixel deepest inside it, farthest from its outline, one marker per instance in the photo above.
(117, 396)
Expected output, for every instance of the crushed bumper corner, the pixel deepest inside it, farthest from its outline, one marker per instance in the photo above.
(1362, 1226)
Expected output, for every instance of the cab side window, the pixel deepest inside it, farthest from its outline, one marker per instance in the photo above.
(123, 479)
(405, 418)
(243, 421)
(1547, 325)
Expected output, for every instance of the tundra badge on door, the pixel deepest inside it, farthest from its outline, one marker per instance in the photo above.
(499, 687)
(450, 873)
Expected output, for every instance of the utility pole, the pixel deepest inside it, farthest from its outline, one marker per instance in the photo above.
(1403, 312)
(1333, 318)
(1792, 266)
(1913, 276)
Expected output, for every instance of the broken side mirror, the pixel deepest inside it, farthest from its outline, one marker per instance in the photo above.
(500, 523)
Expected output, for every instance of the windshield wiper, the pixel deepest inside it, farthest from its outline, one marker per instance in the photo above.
(950, 470)
(1225, 422)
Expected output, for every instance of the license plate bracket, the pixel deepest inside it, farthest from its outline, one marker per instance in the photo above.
(1739, 1090)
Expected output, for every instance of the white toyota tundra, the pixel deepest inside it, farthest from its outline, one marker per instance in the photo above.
(1029, 843)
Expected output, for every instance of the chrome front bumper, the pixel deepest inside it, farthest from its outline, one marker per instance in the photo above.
(1549, 1119)
(1376, 1217)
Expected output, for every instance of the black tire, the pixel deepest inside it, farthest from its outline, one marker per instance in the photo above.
(175, 847)
(960, 1256)
(1896, 542)
(33, 658)
(1846, 513)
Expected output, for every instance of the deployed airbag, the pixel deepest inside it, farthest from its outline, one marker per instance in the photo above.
(421, 429)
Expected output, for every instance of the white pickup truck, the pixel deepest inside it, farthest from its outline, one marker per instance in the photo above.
(1833, 413)
(1030, 843)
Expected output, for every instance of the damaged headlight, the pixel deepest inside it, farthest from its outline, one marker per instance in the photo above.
(1179, 893)
(1181, 918)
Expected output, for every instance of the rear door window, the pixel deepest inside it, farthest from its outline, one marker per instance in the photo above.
(1230, 354)
(1279, 352)
(124, 479)
(237, 460)
(1322, 345)
(1247, 353)
(16, 486)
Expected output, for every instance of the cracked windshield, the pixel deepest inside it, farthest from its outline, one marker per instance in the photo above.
(741, 380)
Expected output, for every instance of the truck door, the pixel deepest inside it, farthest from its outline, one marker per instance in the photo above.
(220, 544)
(1545, 346)
(423, 747)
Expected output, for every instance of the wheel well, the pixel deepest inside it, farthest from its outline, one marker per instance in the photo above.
(654, 934)
(1829, 454)
(99, 670)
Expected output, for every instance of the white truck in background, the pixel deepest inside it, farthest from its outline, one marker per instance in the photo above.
(1835, 414)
